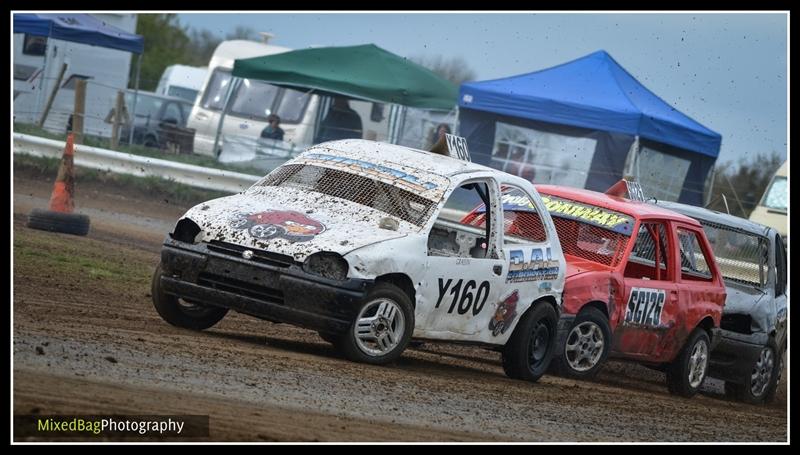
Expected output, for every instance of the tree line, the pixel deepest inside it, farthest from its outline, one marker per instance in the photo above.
(167, 42)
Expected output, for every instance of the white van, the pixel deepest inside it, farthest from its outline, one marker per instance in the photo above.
(772, 210)
(105, 70)
(254, 100)
(182, 81)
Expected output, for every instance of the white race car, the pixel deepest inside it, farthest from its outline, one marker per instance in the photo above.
(367, 243)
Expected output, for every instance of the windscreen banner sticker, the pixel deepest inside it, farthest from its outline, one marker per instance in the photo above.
(589, 214)
(401, 179)
(538, 266)
(645, 306)
(511, 203)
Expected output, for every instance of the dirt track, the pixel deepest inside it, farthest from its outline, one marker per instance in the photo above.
(87, 340)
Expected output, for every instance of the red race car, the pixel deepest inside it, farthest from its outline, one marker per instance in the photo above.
(641, 284)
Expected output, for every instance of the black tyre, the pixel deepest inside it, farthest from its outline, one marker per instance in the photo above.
(181, 313)
(528, 352)
(266, 231)
(586, 346)
(382, 328)
(67, 223)
(759, 387)
(687, 372)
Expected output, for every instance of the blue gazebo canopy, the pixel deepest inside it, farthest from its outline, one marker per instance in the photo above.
(593, 92)
(78, 28)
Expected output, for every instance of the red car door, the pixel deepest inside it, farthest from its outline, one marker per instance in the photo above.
(700, 287)
(651, 302)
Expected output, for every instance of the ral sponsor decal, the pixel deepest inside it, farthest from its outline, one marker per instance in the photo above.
(504, 314)
(538, 265)
(645, 306)
(589, 214)
(465, 296)
(397, 177)
(286, 224)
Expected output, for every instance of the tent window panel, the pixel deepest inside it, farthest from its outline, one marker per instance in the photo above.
(24, 72)
(34, 45)
(542, 157)
(72, 80)
(657, 183)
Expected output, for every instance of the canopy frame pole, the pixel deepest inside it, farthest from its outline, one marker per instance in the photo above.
(225, 107)
(712, 175)
(632, 168)
(404, 110)
(393, 109)
(322, 108)
(131, 127)
(40, 99)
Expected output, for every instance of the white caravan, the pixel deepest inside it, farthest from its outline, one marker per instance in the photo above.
(772, 210)
(106, 70)
(182, 81)
(254, 100)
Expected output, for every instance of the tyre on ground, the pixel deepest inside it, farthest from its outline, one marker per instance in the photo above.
(382, 328)
(67, 223)
(182, 313)
(687, 372)
(760, 385)
(585, 347)
(528, 352)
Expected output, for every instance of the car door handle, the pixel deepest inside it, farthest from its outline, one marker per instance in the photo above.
(201, 116)
(498, 269)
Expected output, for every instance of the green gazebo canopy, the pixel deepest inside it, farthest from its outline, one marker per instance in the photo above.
(364, 72)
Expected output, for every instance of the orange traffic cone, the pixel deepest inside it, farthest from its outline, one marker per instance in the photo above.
(60, 217)
(64, 188)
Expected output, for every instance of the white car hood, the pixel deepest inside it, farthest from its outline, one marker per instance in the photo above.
(293, 222)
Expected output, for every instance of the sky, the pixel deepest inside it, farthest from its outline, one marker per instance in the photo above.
(727, 71)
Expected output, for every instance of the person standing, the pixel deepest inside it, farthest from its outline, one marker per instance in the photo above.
(273, 129)
(342, 122)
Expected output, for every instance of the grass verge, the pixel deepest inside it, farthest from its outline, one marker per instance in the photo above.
(47, 256)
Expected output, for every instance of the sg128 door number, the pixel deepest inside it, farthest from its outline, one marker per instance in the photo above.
(465, 295)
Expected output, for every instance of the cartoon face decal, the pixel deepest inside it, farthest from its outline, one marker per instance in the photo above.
(505, 314)
(289, 225)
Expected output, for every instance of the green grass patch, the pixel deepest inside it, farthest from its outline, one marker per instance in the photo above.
(45, 253)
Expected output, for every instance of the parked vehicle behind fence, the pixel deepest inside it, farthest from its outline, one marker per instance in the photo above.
(159, 120)
(753, 341)
(182, 81)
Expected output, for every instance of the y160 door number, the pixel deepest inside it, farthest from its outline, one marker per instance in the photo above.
(465, 296)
